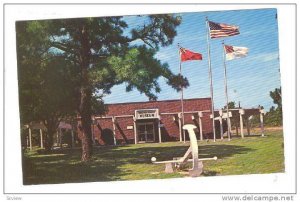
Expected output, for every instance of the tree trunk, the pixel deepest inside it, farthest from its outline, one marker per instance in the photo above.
(85, 114)
(85, 96)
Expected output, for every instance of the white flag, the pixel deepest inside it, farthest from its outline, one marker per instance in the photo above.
(233, 52)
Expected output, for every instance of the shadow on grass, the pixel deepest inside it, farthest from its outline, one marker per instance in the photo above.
(67, 168)
(64, 166)
(144, 154)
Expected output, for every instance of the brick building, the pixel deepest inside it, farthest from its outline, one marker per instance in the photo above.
(153, 121)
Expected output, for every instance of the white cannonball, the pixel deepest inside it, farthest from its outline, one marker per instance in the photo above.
(153, 159)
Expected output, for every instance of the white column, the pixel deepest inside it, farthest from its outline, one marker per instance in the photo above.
(221, 124)
(30, 140)
(27, 141)
(135, 130)
(57, 139)
(241, 111)
(41, 134)
(211, 116)
(159, 130)
(262, 122)
(180, 127)
(200, 115)
(114, 130)
(229, 126)
(221, 127)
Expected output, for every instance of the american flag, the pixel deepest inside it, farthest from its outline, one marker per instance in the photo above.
(218, 30)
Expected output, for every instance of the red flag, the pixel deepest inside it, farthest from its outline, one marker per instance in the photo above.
(186, 55)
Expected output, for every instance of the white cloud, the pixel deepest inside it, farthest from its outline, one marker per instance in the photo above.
(266, 57)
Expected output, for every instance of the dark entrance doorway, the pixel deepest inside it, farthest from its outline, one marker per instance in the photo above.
(146, 132)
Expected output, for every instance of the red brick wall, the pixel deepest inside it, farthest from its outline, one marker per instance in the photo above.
(206, 125)
(170, 129)
(167, 106)
(124, 135)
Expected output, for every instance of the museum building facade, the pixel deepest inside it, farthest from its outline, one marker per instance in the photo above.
(152, 121)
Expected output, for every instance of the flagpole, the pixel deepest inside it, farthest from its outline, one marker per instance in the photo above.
(226, 92)
(211, 82)
(181, 99)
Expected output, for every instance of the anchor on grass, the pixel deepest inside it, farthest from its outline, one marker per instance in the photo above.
(192, 151)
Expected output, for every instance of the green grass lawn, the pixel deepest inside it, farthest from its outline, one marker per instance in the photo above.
(251, 155)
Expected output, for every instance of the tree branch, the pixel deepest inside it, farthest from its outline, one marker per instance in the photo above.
(62, 47)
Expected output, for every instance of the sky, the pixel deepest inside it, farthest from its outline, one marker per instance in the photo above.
(249, 79)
